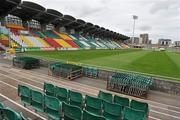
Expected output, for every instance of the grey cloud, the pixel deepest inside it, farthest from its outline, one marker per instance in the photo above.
(88, 10)
(145, 28)
(127, 30)
(164, 5)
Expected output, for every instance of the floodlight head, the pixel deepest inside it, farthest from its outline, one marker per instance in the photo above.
(135, 17)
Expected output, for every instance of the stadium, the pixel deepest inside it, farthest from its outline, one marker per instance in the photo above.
(57, 67)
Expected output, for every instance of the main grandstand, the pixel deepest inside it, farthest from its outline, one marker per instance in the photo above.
(29, 25)
(47, 93)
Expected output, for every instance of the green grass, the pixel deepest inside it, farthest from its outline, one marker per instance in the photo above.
(162, 64)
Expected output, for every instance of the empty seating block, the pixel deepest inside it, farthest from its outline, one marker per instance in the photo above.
(93, 105)
(26, 62)
(75, 98)
(121, 101)
(105, 96)
(72, 112)
(112, 111)
(49, 89)
(131, 84)
(61, 94)
(37, 101)
(25, 94)
(52, 107)
(89, 116)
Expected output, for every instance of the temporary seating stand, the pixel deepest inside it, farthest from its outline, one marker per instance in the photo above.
(68, 71)
(26, 62)
(131, 84)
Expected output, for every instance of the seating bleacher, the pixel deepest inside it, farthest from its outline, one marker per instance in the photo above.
(72, 105)
(132, 84)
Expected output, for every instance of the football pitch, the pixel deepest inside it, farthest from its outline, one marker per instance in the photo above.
(153, 63)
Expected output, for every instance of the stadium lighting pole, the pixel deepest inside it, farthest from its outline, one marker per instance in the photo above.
(134, 18)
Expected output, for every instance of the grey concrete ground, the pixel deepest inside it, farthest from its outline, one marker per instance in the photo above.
(162, 106)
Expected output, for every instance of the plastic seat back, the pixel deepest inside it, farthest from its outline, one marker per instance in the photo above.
(25, 94)
(89, 116)
(52, 107)
(121, 100)
(72, 112)
(105, 96)
(139, 106)
(75, 98)
(37, 101)
(112, 111)
(93, 105)
(61, 93)
(132, 114)
(49, 89)
(10, 114)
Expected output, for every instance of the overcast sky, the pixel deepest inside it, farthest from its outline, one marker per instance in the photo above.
(159, 18)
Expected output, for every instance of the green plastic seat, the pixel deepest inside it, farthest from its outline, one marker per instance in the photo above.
(49, 89)
(37, 101)
(105, 96)
(139, 106)
(10, 114)
(90, 116)
(72, 112)
(61, 93)
(25, 94)
(112, 111)
(93, 105)
(132, 114)
(75, 98)
(52, 107)
(121, 100)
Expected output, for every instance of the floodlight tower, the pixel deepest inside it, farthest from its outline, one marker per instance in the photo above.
(135, 17)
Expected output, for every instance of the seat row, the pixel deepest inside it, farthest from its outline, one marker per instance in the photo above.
(67, 95)
(56, 103)
(7, 113)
